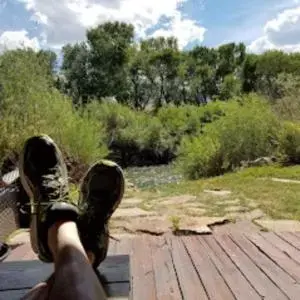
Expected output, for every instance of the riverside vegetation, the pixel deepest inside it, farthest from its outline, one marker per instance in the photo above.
(205, 111)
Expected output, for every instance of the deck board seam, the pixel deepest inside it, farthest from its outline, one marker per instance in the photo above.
(169, 244)
(218, 270)
(271, 259)
(194, 266)
(261, 269)
(241, 271)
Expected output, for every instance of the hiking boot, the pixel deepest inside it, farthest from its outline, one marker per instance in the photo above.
(44, 177)
(101, 192)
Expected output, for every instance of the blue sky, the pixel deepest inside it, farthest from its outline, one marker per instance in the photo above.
(261, 24)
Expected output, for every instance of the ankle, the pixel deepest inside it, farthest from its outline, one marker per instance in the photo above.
(62, 234)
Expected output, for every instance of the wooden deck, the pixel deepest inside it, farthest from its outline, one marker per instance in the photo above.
(232, 266)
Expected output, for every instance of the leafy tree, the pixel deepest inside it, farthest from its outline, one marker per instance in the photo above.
(76, 69)
(109, 47)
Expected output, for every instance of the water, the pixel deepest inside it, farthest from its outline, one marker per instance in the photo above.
(152, 177)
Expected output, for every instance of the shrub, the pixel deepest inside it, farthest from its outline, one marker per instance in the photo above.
(248, 130)
(290, 143)
(133, 137)
(31, 106)
(200, 157)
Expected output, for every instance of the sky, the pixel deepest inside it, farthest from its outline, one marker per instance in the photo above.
(260, 24)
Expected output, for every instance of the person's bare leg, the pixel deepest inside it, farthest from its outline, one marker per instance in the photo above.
(42, 290)
(74, 275)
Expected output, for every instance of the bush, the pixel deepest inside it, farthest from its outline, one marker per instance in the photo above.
(200, 157)
(248, 131)
(31, 106)
(290, 143)
(134, 138)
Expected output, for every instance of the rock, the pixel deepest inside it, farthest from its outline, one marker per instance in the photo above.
(218, 193)
(240, 227)
(259, 162)
(177, 200)
(131, 201)
(279, 225)
(132, 212)
(254, 215)
(285, 180)
(194, 230)
(155, 225)
(130, 185)
(200, 225)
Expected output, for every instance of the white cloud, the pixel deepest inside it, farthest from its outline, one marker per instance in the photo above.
(185, 30)
(282, 32)
(67, 20)
(10, 40)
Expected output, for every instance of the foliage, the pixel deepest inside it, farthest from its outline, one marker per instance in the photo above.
(287, 106)
(30, 106)
(248, 130)
(143, 138)
(200, 157)
(155, 72)
(290, 143)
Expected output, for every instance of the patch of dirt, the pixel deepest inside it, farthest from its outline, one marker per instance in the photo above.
(218, 192)
(130, 202)
(235, 209)
(279, 225)
(195, 211)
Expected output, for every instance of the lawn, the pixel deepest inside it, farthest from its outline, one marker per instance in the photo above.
(250, 189)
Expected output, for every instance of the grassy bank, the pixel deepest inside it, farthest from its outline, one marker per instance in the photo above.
(250, 188)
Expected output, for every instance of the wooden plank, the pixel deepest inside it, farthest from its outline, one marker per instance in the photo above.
(213, 282)
(112, 247)
(280, 258)
(18, 253)
(167, 286)
(260, 256)
(117, 291)
(290, 238)
(124, 246)
(190, 283)
(282, 245)
(238, 284)
(142, 274)
(262, 284)
(26, 274)
(13, 294)
(296, 233)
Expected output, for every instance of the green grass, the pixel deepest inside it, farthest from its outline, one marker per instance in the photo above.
(251, 188)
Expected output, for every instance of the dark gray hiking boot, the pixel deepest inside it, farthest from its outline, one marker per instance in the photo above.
(43, 174)
(101, 192)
